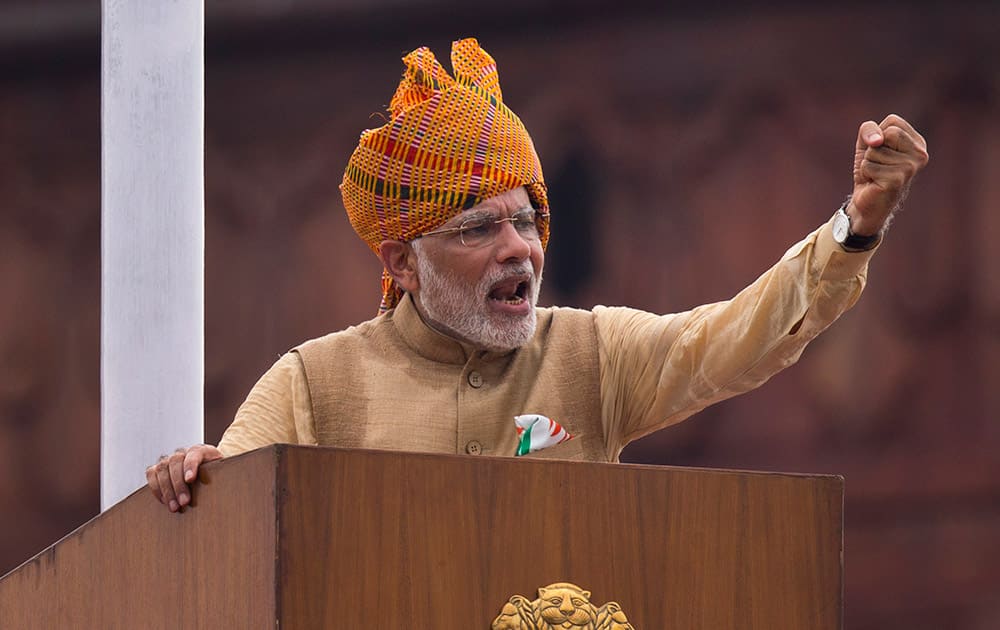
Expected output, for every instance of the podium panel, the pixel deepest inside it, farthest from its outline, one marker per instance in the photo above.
(309, 537)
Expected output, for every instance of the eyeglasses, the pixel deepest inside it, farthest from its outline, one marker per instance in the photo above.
(480, 231)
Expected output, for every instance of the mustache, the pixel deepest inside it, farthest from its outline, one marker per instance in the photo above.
(508, 270)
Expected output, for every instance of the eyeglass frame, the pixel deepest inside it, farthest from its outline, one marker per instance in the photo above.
(489, 220)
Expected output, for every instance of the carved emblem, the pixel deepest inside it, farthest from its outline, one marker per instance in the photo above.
(560, 606)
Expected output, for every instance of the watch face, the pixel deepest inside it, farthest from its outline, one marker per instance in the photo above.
(841, 226)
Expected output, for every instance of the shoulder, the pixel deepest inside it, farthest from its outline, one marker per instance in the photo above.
(599, 318)
(378, 340)
(563, 313)
(358, 333)
(561, 325)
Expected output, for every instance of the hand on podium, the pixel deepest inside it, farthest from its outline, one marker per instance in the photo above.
(169, 477)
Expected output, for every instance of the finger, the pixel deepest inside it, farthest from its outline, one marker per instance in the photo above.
(196, 456)
(153, 483)
(903, 141)
(909, 162)
(181, 490)
(885, 155)
(166, 486)
(869, 135)
(893, 120)
(192, 460)
(887, 177)
(899, 139)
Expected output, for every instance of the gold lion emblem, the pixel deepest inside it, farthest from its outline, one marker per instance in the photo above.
(560, 606)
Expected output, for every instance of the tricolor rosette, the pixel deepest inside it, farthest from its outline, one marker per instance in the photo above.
(535, 432)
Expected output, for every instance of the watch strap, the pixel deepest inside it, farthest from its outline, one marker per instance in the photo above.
(856, 242)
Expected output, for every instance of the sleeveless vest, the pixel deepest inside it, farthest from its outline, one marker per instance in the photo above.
(395, 383)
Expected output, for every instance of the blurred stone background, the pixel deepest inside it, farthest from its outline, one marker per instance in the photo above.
(685, 150)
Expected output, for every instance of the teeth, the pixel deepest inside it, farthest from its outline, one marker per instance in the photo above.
(514, 299)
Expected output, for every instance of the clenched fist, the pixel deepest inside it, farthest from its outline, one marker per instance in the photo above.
(886, 158)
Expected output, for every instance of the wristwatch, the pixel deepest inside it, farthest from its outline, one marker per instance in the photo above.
(845, 237)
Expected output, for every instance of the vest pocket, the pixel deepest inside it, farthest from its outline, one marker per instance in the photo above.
(569, 450)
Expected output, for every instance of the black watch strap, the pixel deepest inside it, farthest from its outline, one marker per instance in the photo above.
(860, 243)
(849, 240)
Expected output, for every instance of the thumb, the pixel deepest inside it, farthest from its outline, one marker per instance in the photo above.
(869, 135)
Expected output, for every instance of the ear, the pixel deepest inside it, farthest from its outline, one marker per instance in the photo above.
(399, 260)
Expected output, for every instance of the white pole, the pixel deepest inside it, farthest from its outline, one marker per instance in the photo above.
(152, 236)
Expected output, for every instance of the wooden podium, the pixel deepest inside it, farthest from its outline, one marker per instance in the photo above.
(293, 537)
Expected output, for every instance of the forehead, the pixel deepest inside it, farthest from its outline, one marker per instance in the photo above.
(502, 204)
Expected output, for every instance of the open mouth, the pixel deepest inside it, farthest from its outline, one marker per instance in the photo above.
(513, 290)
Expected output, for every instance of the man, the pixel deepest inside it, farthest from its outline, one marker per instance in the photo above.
(450, 195)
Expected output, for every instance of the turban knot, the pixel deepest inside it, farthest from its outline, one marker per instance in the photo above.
(450, 144)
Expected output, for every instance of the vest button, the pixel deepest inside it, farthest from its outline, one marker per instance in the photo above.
(474, 448)
(475, 379)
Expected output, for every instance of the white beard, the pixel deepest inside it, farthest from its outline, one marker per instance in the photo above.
(462, 311)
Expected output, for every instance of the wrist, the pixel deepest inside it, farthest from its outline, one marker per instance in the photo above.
(847, 236)
(861, 226)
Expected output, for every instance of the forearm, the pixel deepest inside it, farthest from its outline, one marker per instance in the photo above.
(658, 370)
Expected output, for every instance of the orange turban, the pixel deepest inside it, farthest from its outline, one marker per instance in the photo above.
(450, 144)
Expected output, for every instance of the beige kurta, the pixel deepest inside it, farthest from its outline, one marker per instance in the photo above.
(609, 375)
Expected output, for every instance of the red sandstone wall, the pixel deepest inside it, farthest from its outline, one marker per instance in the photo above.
(704, 146)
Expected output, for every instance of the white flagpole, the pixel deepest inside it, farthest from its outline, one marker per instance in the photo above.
(152, 236)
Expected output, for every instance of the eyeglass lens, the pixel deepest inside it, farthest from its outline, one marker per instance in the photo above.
(480, 231)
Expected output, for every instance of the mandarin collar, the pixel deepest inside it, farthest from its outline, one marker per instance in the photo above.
(432, 344)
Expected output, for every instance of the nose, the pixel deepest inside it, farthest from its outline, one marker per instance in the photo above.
(510, 245)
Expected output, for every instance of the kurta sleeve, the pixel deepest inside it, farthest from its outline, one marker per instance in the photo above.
(657, 370)
(277, 410)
